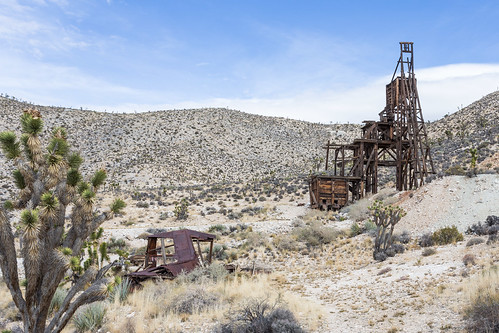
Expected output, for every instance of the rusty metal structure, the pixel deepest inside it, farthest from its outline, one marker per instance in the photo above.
(397, 140)
(170, 253)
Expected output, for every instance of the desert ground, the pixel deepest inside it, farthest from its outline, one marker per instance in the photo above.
(340, 286)
(244, 178)
(409, 292)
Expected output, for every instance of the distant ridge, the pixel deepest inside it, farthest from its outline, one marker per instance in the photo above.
(211, 145)
(186, 146)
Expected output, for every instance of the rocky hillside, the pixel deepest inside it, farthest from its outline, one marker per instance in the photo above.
(205, 146)
(475, 126)
(186, 146)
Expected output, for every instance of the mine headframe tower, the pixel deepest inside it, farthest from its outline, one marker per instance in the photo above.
(398, 139)
(403, 113)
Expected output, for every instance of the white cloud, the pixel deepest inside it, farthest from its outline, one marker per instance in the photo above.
(23, 30)
(294, 82)
(48, 84)
(441, 90)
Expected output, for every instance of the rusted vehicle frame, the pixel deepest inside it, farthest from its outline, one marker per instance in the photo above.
(185, 256)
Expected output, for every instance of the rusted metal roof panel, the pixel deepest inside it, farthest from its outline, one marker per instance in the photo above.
(188, 232)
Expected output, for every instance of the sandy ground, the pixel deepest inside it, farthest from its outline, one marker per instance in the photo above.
(455, 200)
(406, 293)
(416, 294)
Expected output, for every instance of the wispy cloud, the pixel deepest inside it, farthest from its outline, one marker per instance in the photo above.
(49, 84)
(442, 90)
(25, 31)
(297, 74)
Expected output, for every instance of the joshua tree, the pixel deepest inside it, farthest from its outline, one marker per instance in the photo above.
(49, 184)
(181, 210)
(385, 217)
(474, 157)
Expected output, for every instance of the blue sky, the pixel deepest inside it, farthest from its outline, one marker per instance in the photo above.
(322, 61)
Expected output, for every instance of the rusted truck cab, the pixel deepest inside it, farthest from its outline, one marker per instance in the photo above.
(170, 253)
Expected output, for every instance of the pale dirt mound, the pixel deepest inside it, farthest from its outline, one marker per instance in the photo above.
(407, 293)
(454, 200)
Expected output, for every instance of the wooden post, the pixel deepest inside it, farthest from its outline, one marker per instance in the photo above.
(327, 154)
(200, 254)
(211, 252)
(163, 254)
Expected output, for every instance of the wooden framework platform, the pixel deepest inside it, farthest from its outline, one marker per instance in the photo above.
(398, 139)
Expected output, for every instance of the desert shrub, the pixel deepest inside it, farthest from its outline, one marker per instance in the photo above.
(380, 256)
(315, 234)
(469, 259)
(494, 229)
(426, 240)
(116, 244)
(232, 256)
(478, 229)
(121, 291)
(239, 227)
(492, 220)
(89, 318)
(428, 252)
(475, 241)
(370, 228)
(143, 235)
(455, 170)
(285, 243)
(258, 316)
(492, 239)
(154, 231)
(234, 215)
(357, 211)
(220, 228)
(215, 272)
(193, 301)
(355, 229)
(447, 235)
(142, 204)
(482, 313)
(403, 238)
(255, 240)
(384, 194)
(491, 226)
(397, 248)
(219, 252)
(57, 300)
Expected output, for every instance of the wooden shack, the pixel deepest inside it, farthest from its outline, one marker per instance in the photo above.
(328, 192)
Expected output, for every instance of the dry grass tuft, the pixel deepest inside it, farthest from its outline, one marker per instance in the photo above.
(482, 296)
(169, 306)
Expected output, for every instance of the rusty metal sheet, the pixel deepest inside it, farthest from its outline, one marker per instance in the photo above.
(185, 258)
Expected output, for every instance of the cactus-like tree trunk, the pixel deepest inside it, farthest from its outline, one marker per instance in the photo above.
(49, 183)
(385, 218)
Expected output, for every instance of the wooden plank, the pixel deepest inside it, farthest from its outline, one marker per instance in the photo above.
(163, 254)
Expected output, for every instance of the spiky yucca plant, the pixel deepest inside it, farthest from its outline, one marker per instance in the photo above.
(50, 184)
(385, 217)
